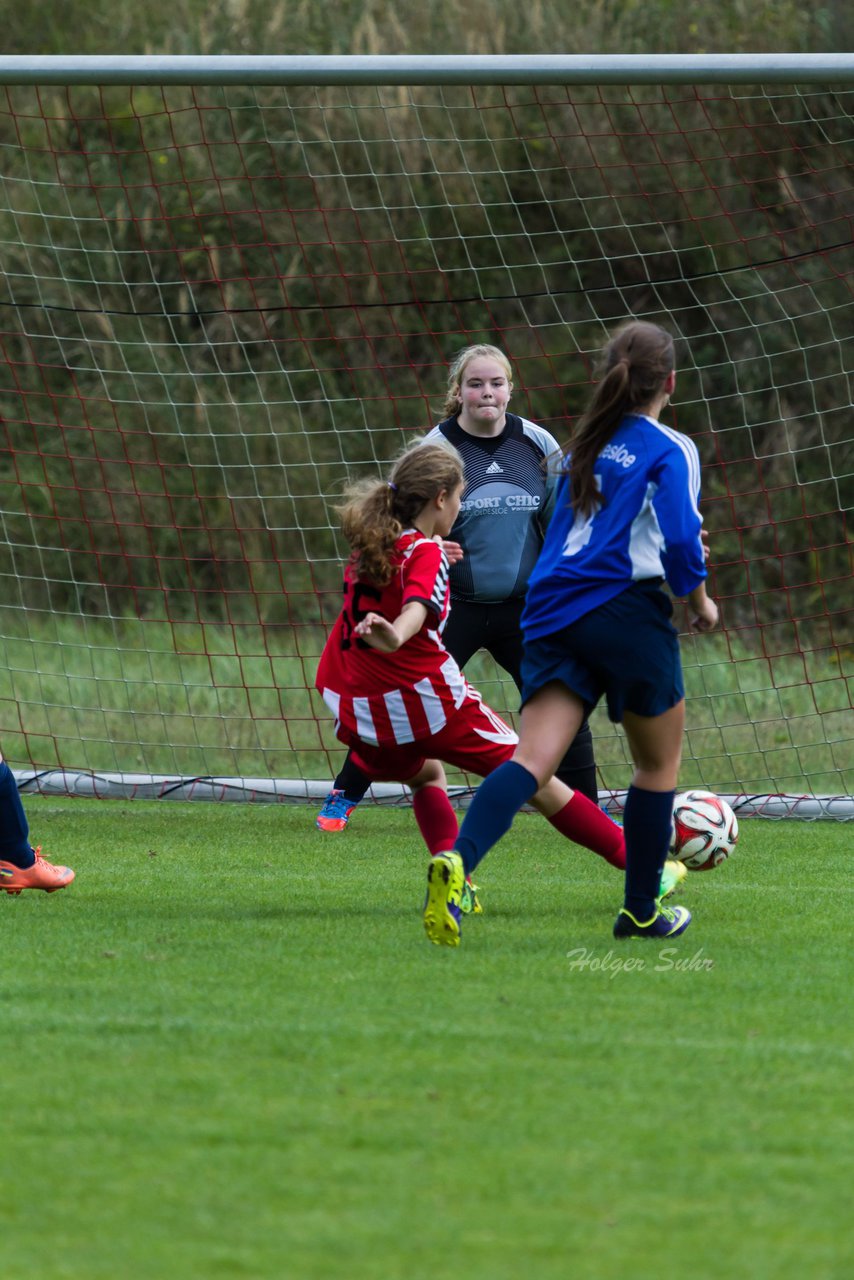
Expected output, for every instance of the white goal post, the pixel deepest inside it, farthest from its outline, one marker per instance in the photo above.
(231, 283)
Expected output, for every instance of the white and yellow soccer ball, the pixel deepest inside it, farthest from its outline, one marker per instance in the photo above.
(705, 830)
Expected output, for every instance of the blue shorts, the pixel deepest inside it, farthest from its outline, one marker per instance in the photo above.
(626, 650)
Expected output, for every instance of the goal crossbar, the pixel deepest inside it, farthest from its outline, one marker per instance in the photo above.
(431, 69)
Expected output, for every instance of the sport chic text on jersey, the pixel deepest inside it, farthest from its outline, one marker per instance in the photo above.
(507, 503)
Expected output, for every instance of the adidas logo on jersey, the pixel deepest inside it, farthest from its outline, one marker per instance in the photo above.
(493, 469)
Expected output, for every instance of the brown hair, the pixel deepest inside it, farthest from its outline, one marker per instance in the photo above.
(635, 366)
(375, 512)
(456, 372)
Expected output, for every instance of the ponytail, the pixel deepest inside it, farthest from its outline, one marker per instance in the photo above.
(636, 363)
(375, 512)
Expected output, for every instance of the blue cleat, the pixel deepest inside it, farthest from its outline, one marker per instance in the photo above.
(668, 922)
(335, 813)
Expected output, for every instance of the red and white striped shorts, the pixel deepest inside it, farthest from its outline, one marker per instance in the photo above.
(475, 739)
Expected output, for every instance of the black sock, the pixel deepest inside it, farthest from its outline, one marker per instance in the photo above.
(646, 825)
(351, 781)
(578, 767)
(14, 831)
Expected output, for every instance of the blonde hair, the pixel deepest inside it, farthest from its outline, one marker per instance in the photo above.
(456, 372)
(375, 512)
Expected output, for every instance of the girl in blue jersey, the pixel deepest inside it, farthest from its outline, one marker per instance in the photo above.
(597, 624)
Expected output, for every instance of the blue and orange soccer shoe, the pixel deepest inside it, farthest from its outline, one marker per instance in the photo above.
(41, 875)
(442, 913)
(335, 813)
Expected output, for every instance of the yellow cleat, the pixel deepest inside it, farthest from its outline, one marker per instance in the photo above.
(672, 875)
(470, 903)
(442, 913)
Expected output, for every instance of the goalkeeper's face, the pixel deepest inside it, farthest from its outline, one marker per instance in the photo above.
(484, 396)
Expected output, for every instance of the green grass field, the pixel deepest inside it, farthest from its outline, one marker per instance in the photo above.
(229, 1051)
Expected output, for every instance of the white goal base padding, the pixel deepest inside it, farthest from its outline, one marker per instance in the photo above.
(148, 786)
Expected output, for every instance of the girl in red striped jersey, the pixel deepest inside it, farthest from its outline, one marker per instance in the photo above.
(400, 701)
(385, 672)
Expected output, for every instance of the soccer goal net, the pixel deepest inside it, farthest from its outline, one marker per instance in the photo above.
(228, 285)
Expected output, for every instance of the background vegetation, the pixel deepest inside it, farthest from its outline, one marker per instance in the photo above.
(434, 26)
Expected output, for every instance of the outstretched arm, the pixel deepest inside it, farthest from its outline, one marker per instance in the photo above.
(386, 636)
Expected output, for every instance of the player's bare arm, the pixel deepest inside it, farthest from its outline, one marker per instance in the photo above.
(386, 636)
(703, 609)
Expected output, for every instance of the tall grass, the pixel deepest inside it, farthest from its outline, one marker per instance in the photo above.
(435, 26)
(224, 299)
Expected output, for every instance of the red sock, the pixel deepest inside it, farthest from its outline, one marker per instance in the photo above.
(584, 822)
(436, 819)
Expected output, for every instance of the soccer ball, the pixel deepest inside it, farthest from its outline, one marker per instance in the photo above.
(705, 830)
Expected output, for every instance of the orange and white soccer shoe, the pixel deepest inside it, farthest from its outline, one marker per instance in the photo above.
(41, 875)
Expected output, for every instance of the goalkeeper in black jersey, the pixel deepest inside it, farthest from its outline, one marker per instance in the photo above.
(506, 507)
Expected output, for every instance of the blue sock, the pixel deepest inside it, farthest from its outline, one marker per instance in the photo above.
(14, 831)
(490, 815)
(646, 825)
